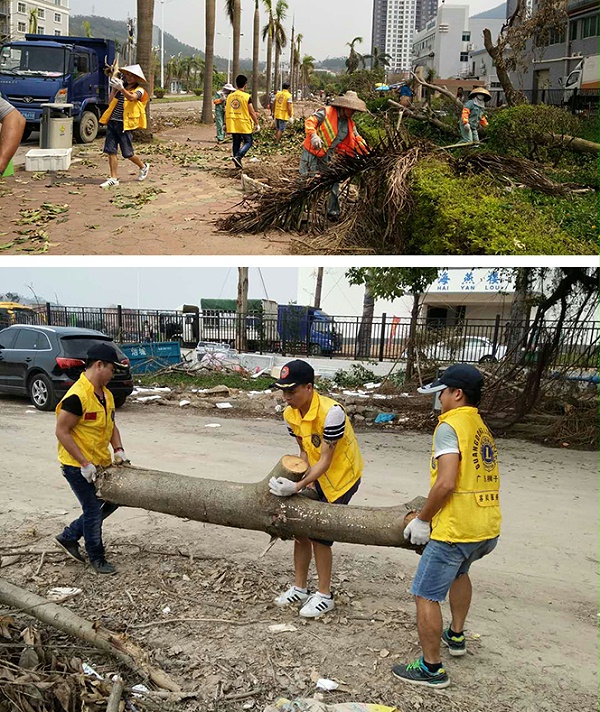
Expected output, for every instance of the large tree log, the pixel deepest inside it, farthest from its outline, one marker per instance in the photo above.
(251, 506)
(69, 622)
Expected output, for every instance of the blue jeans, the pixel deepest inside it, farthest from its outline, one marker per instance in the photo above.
(95, 511)
(468, 134)
(242, 143)
(442, 563)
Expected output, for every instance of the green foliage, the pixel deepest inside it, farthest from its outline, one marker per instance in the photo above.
(358, 375)
(578, 217)
(185, 380)
(198, 92)
(588, 128)
(393, 282)
(362, 82)
(470, 214)
(159, 92)
(371, 128)
(379, 105)
(522, 130)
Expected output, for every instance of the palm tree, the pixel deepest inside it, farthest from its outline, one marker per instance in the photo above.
(255, 54)
(145, 20)
(292, 50)
(279, 36)
(379, 59)
(306, 68)
(233, 8)
(267, 34)
(354, 58)
(297, 56)
(209, 55)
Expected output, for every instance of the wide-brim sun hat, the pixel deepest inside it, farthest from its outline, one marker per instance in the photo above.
(228, 87)
(349, 100)
(480, 90)
(136, 70)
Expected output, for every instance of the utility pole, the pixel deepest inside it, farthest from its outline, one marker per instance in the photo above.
(292, 48)
(242, 307)
(319, 288)
(162, 44)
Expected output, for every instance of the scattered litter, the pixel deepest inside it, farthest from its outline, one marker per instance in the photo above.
(89, 670)
(224, 405)
(31, 411)
(213, 425)
(139, 389)
(183, 403)
(328, 685)
(313, 705)
(385, 418)
(279, 408)
(62, 593)
(372, 385)
(260, 373)
(282, 628)
(166, 609)
(137, 689)
(254, 160)
(357, 394)
(145, 399)
(185, 577)
(383, 653)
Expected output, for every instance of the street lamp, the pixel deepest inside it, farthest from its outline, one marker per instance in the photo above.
(230, 38)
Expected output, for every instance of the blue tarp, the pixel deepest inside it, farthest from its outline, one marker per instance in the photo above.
(150, 357)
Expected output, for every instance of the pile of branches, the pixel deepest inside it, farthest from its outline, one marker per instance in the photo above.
(378, 219)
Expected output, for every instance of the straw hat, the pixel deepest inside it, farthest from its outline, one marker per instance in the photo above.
(136, 70)
(480, 90)
(349, 100)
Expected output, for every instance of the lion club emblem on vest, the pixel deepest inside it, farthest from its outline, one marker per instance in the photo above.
(285, 372)
(235, 104)
(315, 440)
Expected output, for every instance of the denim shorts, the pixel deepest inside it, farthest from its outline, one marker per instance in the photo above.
(281, 124)
(116, 137)
(442, 563)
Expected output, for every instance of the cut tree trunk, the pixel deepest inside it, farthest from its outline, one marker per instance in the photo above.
(63, 619)
(251, 506)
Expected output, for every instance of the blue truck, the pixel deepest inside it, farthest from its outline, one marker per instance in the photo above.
(307, 330)
(46, 69)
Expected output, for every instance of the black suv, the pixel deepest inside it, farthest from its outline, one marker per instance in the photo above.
(43, 362)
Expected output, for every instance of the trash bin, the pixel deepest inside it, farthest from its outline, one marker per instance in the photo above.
(56, 129)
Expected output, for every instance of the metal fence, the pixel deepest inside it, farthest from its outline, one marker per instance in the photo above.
(385, 338)
(575, 100)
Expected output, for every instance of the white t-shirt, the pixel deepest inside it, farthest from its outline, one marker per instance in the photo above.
(445, 441)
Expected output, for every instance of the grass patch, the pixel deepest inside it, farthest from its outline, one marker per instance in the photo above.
(209, 380)
(177, 97)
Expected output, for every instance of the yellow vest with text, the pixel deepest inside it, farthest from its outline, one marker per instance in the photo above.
(95, 427)
(237, 114)
(134, 112)
(281, 105)
(472, 512)
(347, 463)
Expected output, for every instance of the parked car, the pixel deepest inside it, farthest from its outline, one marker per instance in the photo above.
(43, 362)
(473, 349)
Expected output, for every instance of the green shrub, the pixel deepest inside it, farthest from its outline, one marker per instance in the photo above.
(198, 92)
(159, 92)
(358, 375)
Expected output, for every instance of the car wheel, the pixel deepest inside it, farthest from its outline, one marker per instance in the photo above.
(41, 392)
(488, 359)
(87, 128)
(120, 401)
(314, 350)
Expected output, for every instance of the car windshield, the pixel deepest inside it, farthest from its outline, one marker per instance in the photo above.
(78, 346)
(34, 60)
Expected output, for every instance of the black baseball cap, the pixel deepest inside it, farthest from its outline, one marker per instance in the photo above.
(106, 352)
(459, 375)
(295, 373)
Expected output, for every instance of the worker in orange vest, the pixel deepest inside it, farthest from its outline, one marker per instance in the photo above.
(330, 131)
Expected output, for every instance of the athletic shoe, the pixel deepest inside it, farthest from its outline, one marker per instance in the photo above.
(101, 566)
(418, 674)
(456, 644)
(317, 605)
(291, 596)
(109, 183)
(143, 174)
(71, 548)
(237, 161)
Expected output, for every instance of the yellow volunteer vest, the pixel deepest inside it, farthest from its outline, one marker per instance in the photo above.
(347, 463)
(281, 105)
(472, 513)
(134, 112)
(95, 427)
(237, 115)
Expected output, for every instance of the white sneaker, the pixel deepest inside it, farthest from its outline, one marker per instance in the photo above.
(317, 605)
(143, 174)
(110, 183)
(291, 596)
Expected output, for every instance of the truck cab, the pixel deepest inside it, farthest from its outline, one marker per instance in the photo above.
(46, 69)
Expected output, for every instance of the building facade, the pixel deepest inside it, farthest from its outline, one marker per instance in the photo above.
(425, 10)
(393, 29)
(43, 17)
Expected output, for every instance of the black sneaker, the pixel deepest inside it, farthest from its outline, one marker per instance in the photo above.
(71, 548)
(417, 674)
(237, 161)
(456, 644)
(103, 567)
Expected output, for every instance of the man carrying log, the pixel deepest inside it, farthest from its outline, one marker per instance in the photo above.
(328, 444)
(459, 523)
(85, 426)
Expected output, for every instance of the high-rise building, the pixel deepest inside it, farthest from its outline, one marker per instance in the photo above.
(46, 17)
(379, 25)
(424, 11)
(393, 28)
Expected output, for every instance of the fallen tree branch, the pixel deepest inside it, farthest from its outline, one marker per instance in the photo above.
(114, 699)
(152, 624)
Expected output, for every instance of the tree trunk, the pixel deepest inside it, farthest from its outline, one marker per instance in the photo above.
(410, 361)
(318, 288)
(115, 644)
(242, 308)
(292, 50)
(496, 52)
(207, 99)
(269, 61)
(145, 18)
(277, 79)
(237, 21)
(255, 55)
(251, 506)
(519, 314)
(572, 143)
(366, 324)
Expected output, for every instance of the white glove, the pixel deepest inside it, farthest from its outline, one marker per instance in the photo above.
(282, 487)
(256, 128)
(116, 83)
(417, 531)
(120, 457)
(315, 142)
(89, 472)
(291, 119)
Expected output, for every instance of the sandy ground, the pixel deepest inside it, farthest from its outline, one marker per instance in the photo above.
(172, 212)
(532, 631)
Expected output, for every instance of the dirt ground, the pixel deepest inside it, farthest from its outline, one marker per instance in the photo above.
(532, 631)
(192, 182)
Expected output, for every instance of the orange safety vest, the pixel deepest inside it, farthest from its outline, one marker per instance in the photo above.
(328, 131)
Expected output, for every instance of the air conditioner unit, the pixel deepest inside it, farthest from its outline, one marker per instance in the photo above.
(470, 47)
(443, 27)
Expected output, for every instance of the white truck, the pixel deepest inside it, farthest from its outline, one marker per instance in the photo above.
(584, 76)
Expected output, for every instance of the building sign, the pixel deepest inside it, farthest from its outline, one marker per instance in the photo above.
(472, 280)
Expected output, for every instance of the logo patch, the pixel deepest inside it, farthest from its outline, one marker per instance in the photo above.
(235, 104)
(315, 440)
(484, 451)
(90, 416)
(285, 372)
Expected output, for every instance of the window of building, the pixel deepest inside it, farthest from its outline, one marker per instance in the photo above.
(466, 36)
(573, 30)
(41, 13)
(22, 27)
(57, 17)
(21, 7)
(57, 2)
(589, 26)
(464, 56)
(41, 30)
(57, 33)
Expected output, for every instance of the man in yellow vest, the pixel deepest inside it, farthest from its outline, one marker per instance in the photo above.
(459, 523)
(283, 110)
(328, 445)
(85, 426)
(241, 120)
(330, 131)
(126, 112)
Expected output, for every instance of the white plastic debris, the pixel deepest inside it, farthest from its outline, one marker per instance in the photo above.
(166, 609)
(328, 685)
(282, 628)
(145, 399)
(139, 389)
(213, 425)
(224, 405)
(139, 689)
(62, 593)
(89, 670)
(372, 385)
(183, 403)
